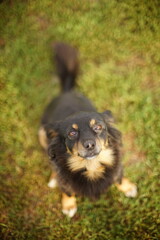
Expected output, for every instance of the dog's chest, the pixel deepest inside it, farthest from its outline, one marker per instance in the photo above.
(94, 168)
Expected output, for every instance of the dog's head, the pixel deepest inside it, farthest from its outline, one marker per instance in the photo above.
(85, 136)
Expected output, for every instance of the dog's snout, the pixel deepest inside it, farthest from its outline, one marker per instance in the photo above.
(89, 144)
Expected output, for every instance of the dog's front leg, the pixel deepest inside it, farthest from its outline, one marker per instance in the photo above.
(69, 206)
(127, 187)
(53, 180)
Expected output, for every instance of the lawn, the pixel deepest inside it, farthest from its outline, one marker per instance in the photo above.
(119, 45)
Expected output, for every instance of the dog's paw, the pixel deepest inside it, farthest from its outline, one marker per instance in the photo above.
(128, 188)
(69, 212)
(132, 192)
(52, 183)
(69, 206)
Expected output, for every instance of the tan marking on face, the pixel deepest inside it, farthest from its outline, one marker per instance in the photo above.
(74, 151)
(104, 144)
(68, 202)
(79, 148)
(92, 122)
(68, 151)
(106, 157)
(43, 138)
(75, 126)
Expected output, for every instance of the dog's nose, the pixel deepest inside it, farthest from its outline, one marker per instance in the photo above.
(89, 144)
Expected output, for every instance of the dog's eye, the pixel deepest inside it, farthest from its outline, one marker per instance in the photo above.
(72, 134)
(97, 128)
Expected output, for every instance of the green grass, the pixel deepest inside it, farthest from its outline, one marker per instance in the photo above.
(119, 50)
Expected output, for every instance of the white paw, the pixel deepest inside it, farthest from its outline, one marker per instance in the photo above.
(132, 192)
(52, 183)
(69, 212)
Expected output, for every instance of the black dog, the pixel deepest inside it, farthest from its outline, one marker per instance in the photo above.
(83, 144)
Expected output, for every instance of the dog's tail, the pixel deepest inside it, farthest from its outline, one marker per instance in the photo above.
(66, 59)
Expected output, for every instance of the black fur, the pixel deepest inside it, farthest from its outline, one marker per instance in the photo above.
(72, 108)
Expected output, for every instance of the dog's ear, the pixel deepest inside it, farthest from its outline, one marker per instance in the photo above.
(113, 133)
(51, 133)
(108, 117)
(56, 144)
(51, 130)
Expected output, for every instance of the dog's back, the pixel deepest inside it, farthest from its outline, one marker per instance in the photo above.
(69, 101)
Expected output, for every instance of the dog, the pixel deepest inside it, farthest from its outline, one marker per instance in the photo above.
(84, 145)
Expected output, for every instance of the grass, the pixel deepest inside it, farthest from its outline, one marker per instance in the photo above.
(120, 70)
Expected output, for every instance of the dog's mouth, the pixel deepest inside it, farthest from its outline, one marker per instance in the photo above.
(92, 157)
(89, 156)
